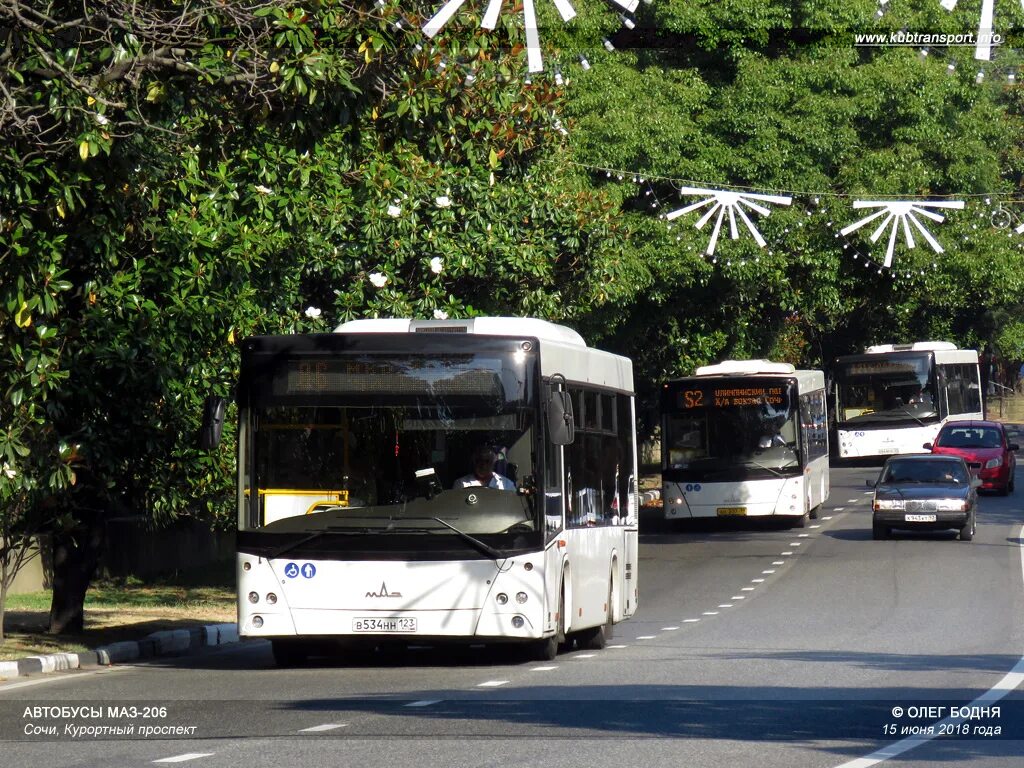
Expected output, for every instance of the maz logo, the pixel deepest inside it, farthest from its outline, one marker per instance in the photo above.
(383, 592)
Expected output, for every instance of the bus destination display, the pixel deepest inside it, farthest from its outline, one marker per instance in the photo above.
(731, 397)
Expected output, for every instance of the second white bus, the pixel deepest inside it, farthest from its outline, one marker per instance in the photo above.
(895, 397)
(745, 438)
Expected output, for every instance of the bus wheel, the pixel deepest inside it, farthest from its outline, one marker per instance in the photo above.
(814, 513)
(547, 649)
(596, 638)
(289, 653)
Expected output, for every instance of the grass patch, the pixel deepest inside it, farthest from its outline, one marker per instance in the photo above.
(122, 609)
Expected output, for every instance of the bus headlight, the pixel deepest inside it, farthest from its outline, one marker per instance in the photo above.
(517, 622)
(521, 597)
(271, 598)
(502, 598)
(257, 621)
(254, 597)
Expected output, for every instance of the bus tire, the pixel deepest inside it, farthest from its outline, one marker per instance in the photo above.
(289, 653)
(547, 649)
(596, 638)
(814, 512)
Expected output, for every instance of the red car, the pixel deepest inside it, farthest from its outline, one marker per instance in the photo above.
(985, 447)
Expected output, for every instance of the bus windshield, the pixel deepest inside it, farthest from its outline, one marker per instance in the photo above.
(886, 389)
(386, 443)
(729, 430)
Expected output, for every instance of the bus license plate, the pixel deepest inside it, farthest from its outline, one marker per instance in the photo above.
(919, 518)
(384, 624)
(724, 511)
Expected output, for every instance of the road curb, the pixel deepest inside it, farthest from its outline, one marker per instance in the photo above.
(171, 642)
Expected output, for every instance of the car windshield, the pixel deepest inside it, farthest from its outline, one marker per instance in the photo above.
(969, 437)
(917, 471)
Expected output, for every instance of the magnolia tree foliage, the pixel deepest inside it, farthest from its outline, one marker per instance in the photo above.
(179, 175)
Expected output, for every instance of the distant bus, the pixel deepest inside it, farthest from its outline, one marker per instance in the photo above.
(354, 527)
(895, 397)
(745, 438)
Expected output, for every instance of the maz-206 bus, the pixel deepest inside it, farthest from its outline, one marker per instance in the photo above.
(354, 528)
(745, 438)
(895, 397)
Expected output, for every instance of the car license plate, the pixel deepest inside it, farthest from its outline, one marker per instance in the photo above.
(384, 624)
(919, 518)
(725, 511)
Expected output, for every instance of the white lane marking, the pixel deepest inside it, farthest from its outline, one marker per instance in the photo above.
(852, 501)
(802, 535)
(332, 726)
(690, 621)
(757, 581)
(1010, 682)
(548, 669)
(815, 526)
(786, 553)
(424, 703)
(183, 758)
(769, 571)
(795, 543)
(6, 686)
(838, 509)
(584, 656)
(725, 605)
(738, 597)
(493, 683)
(829, 517)
(669, 629)
(779, 562)
(746, 589)
(710, 613)
(618, 646)
(646, 637)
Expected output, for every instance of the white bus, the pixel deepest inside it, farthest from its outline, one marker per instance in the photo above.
(745, 438)
(353, 525)
(895, 397)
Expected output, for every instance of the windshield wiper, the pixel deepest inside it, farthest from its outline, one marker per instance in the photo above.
(314, 535)
(774, 470)
(487, 549)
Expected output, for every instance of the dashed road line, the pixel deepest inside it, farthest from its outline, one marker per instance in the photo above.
(669, 629)
(690, 621)
(646, 637)
(423, 703)
(333, 726)
(183, 758)
(710, 613)
(555, 666)
(493, 684)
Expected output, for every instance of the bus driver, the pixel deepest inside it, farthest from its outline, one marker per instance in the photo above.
(483, 473)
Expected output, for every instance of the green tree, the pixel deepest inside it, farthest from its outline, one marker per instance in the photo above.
(180, 176)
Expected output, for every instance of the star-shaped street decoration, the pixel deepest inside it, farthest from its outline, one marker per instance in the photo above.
(731, 202)
(902, 214)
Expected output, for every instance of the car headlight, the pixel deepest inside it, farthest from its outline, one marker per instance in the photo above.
(889, 504)
(950, 505)
(993, 463)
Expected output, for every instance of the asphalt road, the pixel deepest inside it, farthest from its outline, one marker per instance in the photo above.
(753, 645)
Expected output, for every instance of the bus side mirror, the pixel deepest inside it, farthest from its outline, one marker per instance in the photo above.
(561, 426)
(214, 408)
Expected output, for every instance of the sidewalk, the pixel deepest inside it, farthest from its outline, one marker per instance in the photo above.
(171, 642)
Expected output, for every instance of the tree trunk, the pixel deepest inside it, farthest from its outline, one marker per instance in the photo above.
(75, 558)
